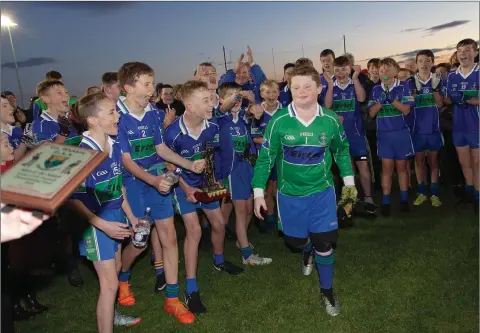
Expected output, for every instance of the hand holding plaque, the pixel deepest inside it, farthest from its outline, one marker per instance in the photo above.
(47, 176)
(211, 190)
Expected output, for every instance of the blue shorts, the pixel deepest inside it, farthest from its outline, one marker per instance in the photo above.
(358, 146)
(465, 139)
(140, 195)
(430, 142)
(315, 213)
(95, 244)
(183, 207)
(395, 145)
(238, 182)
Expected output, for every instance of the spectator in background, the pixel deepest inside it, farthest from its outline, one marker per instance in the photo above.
(454, 62)
(110, 85)
(92, 90)
(176, 88)
(167, 100)
(19, 114)
(241, 74)
(285, 97)
(411, 65)
(442, 69)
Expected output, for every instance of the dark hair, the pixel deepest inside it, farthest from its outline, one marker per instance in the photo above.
(158, 88)
(8, 93)
(226, 86)
(53, 75)
(326, 52)
(305, 71)
(427, 53)
(341, 61)
(131, 71)
(373, 62)
(287, 66)
(87, 106)
(110, 78)
(43, 86)
(467, 41)
(445, 65)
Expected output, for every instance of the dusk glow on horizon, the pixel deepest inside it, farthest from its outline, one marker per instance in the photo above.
(85, 39)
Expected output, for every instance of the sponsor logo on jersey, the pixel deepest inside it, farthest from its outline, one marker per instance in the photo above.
(306, 134)
(130, 132)
(303, 155)
(289, 137)
(185, 151)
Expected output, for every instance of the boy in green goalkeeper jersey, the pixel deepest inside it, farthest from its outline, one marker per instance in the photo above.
(300, 140)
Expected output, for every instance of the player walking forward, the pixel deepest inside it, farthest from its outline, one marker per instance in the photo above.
(301, 139)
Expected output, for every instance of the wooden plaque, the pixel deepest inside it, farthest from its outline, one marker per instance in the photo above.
(44, 178)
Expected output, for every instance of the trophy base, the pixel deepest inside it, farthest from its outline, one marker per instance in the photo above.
(212, 194)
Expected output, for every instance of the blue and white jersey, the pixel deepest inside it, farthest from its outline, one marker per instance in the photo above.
(46, 128)
(102, 189)
(459, 88)
(389, 118)
(258, 126)
(138, 135)
(345, 104)
(285, 97)
(14, 135)
(323, 82)
(179, 138)
(425, 115)
(234, 140)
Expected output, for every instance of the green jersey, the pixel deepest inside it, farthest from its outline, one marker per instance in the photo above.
(302, 152)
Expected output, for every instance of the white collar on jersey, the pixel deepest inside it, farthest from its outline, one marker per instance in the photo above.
(89, 141)
(336, 84)
(293, 113)
(474, 69)
(279, 106)
(124, 108)
(10, 130)
(395, 84)
(218, 102)
(45, 115)
(420, 80)
(184, 128)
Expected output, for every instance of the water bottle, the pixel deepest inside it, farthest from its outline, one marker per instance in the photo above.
(172, 176)
(140, 237)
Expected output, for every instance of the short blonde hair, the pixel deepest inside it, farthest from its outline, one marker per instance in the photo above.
(268, 84)
(190, 87)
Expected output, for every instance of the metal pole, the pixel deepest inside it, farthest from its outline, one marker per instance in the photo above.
(16, 66)
(224, 59)
(303, 53)
(274, 71)
(344, 45)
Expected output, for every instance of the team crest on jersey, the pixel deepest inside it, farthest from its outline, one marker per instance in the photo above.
(322, 138)
(54, 161)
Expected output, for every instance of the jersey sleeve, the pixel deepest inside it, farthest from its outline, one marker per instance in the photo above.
(123, 138)
(226, 154)
(406, 94)
(258, 76)
(157, 130)
(170, 137)
(268, 154)
(44, 131)
(373, 99)
(341, 149)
